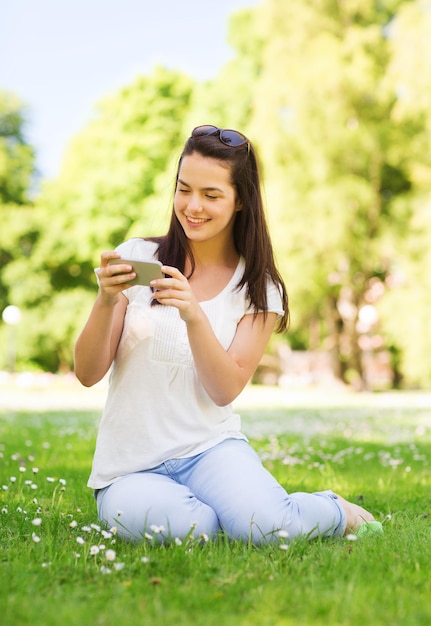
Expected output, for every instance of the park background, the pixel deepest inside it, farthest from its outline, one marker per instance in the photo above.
(337, 98)
(97, 97)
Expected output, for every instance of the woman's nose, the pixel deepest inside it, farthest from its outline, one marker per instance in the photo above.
(195, 204)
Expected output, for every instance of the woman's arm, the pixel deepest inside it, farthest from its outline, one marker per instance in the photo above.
(223, 373)
(97, 344)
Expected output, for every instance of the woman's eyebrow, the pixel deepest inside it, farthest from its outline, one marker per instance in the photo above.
(182, 182)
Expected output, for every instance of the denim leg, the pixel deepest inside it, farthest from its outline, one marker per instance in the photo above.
(225, 487)
(139, 501)
(250, 503)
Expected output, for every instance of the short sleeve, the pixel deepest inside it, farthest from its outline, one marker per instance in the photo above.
(274, 300)
(137, 249)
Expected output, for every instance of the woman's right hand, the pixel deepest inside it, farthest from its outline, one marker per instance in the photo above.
(113, 279)
(97, 344)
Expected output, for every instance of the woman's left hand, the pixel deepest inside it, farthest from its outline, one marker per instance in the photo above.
(176, 291)
(223, 373)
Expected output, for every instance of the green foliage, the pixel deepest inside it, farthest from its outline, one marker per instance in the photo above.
(340, 180)
(343, 125)
(16, 156)
(228, 100)
(113, 167)
(17, 232)
(111, 187)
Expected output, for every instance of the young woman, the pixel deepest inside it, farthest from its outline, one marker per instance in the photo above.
(170, 453)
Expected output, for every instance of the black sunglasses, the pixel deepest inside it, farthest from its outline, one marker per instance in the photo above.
(231, 138)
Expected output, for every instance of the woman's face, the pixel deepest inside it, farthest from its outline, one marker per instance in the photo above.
(205, 201)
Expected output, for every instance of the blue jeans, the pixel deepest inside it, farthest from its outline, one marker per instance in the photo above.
(225, 488)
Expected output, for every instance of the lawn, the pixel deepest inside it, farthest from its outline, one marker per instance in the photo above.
(58, 566)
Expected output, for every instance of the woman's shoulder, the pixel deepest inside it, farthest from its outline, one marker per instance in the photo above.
(138, 249)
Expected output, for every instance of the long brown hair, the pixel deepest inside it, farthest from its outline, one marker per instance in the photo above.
(250, 231)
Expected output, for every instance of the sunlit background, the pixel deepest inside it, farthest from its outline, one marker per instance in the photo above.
(96, 99)
(62, 57)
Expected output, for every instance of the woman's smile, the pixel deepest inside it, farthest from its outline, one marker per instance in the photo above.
(196, 221)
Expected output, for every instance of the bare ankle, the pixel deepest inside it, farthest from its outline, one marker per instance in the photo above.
(355, 515)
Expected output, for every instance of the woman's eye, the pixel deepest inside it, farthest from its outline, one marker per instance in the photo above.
(211, 197)
(183, 190)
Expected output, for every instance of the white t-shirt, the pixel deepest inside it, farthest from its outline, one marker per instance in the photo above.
(156, 407)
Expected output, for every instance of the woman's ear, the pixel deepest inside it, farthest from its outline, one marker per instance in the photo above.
(238, 205)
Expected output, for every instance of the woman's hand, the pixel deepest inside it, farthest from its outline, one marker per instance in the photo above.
(223, 373)
(113, 279)
(97, 344)
(176, 291)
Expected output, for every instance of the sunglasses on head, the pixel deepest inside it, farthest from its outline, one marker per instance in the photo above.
(231, 138)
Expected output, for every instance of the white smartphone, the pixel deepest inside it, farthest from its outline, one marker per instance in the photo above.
(146, 271)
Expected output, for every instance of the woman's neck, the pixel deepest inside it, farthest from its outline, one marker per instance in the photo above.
(212, 272)
(206, 256)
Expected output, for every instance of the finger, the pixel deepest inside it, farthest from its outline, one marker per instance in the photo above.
(107, 255)
(123, 268)
(123, 271)
(172, 271)
(115, 275)
(174, 302)
(162, 284)
(168, 293)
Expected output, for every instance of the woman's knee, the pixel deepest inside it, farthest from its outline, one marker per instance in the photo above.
(152, 506)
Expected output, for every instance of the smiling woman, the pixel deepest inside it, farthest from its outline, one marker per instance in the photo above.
(170, 452)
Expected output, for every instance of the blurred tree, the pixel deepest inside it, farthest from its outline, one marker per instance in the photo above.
(337, 161)
(342, 123)
(405, 308)
(228, 100)
(103, 195)
(16, 155)
(17, 235)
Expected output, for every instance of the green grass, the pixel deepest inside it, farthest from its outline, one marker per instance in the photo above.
(373, 454)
